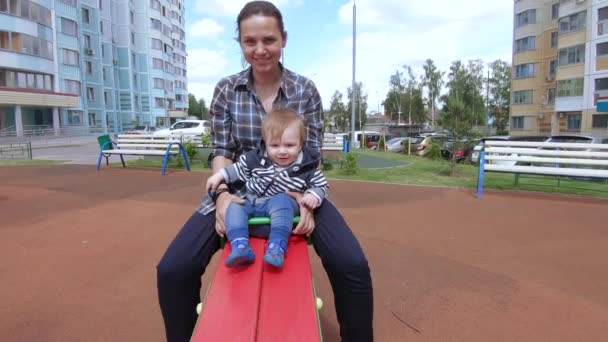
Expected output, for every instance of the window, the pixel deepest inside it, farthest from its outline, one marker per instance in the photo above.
(90, 94)
(572, 55)
(100, 5)
(524, 44)
(550, 96)
(159, 83)
(3, 6)
(602, 49)
(136, 102)
(157, 44)
(92, 119)
(89, 67)
(522, 97)
(573, 23)
(133, 60)
(602, 13)
(75, 117)
(132, 38)
(71, 87)
(155, 24)
(87, 41)
(134, 81)
(86, 18)
(601, 84)
(552, 68)
(69, 2)
(525, 18)
(132, 17)
(159, 102)
(101, 26)
(155, 4)
(517, 122)
(524, 70)
(69, 27)
(4, 40)
(157, 64)
(70, 57)
(571, 87)
(555, 11)
(104, 73)
(599, 121)
(105, 97)
(554, 39)
(574, 122)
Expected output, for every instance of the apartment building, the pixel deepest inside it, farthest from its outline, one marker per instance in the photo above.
(91, 65)
(560, 67)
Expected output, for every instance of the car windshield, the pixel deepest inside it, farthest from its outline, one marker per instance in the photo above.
(416, 140)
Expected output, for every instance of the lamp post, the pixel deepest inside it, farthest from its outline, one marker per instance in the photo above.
(352, 100)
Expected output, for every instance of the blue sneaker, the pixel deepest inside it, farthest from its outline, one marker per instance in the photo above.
(240, 255)
(275, 253)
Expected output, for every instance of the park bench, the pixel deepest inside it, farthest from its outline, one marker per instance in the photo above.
(578, 160)
(332, 142)
(142, 145)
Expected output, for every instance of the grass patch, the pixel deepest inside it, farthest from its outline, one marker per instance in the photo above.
(24, 162)
(422, 171)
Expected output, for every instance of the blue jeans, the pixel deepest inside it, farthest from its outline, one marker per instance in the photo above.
(280, 208)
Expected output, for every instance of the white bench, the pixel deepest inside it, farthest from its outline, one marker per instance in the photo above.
(543, 158)
(144, 145)
(332, 142)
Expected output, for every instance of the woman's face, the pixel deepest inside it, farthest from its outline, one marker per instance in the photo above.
(261, 42)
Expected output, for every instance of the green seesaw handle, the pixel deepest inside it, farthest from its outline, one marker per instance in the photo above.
(264, 220)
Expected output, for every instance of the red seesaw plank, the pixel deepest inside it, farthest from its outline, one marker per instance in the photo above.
(287, 305)
(230, 309)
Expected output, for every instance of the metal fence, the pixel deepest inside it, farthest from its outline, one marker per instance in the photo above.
(16, 151)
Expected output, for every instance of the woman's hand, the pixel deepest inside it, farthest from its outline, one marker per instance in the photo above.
(214, 181)
(221, 204)
(307, 218)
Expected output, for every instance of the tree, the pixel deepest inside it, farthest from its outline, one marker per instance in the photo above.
(204, 109)
(337, 112)
(499, 85)
(404, 98)
(194, 108)
(433, 81)
(463, 105)
(360, 105)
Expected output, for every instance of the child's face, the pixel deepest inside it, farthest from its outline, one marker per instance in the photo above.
(285, 151)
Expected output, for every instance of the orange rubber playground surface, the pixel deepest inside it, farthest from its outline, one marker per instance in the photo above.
(78, 251)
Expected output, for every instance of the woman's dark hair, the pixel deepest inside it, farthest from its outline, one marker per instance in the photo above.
(263, 8)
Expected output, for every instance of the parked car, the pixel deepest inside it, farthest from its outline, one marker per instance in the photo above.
(584, 139)
(477, 149)
(463, 149)
(193, 127)
(396, 144)
(421, 145)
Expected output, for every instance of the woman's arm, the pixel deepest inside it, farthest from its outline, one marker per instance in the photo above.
(313, 115)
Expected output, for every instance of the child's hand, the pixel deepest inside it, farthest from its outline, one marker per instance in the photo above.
(214, 181)
(310, 201)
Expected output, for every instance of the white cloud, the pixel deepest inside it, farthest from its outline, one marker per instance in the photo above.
(206, 28)
(205, 68)
(226, 8)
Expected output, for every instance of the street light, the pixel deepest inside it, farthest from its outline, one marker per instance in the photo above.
(352, 100)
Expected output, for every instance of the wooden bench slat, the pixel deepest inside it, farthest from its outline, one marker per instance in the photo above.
(140, 152)
(159, 146)
(548, 160)
(552, 171)
(539, 152)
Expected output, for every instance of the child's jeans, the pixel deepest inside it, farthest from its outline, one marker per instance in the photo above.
(280, 208)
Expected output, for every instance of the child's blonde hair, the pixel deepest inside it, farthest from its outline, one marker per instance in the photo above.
(278, 120)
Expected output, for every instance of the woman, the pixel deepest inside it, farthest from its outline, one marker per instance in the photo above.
(239, 103)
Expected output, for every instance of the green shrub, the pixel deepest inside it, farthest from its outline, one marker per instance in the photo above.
(327, 164)
(348, 163)
(191, 150)
(435, 152)
(381, 143)
(206, 139)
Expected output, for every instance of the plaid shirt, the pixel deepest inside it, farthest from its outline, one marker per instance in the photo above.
(236, 116)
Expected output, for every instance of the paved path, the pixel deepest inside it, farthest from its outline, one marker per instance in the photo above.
(78, 251)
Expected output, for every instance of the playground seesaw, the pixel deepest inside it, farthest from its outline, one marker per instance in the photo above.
(259, 302)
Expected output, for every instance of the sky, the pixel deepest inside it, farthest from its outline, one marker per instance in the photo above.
(390, 34)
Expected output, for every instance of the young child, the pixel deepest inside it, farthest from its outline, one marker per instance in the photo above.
(280, 164)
